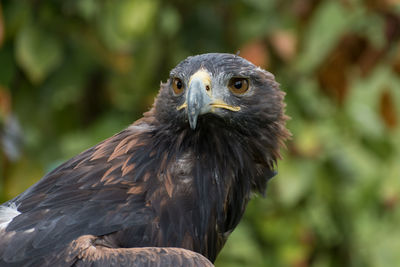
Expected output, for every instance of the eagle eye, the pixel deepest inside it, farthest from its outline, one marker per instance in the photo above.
(177, 86)
(238, 85)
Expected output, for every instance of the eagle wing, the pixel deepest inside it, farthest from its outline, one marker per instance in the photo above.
(85, 252)
(99, 192)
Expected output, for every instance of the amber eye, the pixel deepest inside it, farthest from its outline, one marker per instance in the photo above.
(238, 85)
(177, 85)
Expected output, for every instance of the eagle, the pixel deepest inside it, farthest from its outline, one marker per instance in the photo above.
(166, 191)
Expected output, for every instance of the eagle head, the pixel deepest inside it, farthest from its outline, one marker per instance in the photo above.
(224, 92)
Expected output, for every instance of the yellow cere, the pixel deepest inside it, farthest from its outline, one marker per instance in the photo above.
(203, 76)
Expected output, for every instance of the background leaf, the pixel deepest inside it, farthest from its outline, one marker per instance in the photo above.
(37, 52)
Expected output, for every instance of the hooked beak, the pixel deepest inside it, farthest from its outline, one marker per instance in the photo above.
(199, 98)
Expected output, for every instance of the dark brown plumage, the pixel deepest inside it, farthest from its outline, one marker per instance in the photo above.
(169, 188)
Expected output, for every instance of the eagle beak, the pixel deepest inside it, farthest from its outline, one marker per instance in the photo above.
(199, 98)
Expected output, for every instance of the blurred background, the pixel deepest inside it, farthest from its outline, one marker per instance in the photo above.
(73, 73)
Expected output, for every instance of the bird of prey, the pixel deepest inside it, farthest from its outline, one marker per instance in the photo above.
(166, 191)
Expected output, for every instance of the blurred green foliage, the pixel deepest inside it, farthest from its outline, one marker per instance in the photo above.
(75, 72)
